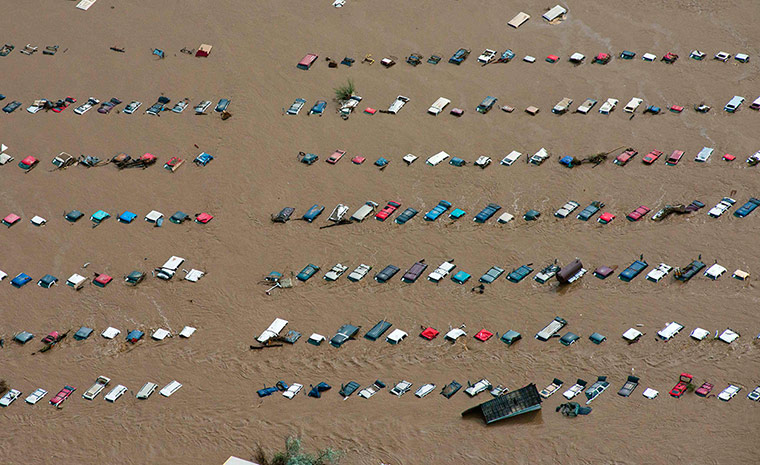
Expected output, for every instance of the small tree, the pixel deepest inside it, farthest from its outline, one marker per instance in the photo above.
(345, 91)
(292, 455)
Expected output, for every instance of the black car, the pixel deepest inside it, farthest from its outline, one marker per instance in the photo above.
(345, 333)
(11, 107)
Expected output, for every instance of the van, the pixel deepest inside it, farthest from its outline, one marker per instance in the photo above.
(437, 158)
(115, 393)
(511, 158)
(438, 106)
(167, 270)
(756, 104)
(633, 105)
(170, 388)
(670, 330)
(562, 106)
(539, 157)
(734, 104)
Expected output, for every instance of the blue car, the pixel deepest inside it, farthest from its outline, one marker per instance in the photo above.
(459, 56)
(590, 211)
(487, 213)
(519, 274)
(307, 272)
(313, 212)
(747, 208)
(21, 280)
(437, 211)
(11, 107)
(318, 108)
(633, 270)
(222, 105)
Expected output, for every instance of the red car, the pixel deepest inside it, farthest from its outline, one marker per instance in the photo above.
(387, 211)
(358, 160)
(625, 157)
(605, 218)
(638, 214)
(62, 395)
(683, 382)
(651, 157)
(51, 338)
(63, 104)
(674, 157)
(335, 157)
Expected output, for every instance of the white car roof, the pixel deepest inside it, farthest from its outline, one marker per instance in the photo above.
(187, 331)
(110, 332)
(173, 263)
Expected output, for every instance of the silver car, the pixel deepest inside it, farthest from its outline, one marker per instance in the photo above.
(201, 108)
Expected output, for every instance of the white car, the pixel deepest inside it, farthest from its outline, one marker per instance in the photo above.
(424, 390)
(722, 56)
(565, 210)
(631, 106)
(586, 106)
(397, 104)
(9, 397)
(728, 393)
(294, 389)
(721, 207)
(84, 108)
(36, 396)
(608, 106)
(201, 108)
(487, 56)
(704, 154)
(115, 393)
(95, 389)
(36, 106)
(336, 272)
(170, 388)
(401, 388)
(132, 107)
(146, 390)
(483, 161)
(660, 272)
(475, 389)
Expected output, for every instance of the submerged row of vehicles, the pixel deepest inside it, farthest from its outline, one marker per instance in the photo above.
(162, 104)
(339, 214)
(565, 275)
(100, 384)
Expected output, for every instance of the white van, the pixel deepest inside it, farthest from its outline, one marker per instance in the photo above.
(437, 158)
(115, 393)
(170, 388)
(441, 272)
(511, 158)
(146, 390)
(755, 104)
(365, 210)
(734, 104)
(397, 104)
(633, 105)
(438, 106)
(608, 106)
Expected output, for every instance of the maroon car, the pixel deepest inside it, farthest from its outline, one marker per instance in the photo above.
(62, 395)
(651, 157)
(638, 214)
(387, 211)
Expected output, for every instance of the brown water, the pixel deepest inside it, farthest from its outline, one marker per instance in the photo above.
(255, 173)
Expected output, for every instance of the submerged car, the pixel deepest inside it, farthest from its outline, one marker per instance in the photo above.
(202, 107)
(680, 388)
(62, 395)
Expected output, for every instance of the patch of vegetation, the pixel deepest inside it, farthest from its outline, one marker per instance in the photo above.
(292, 455)
(345, 91)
